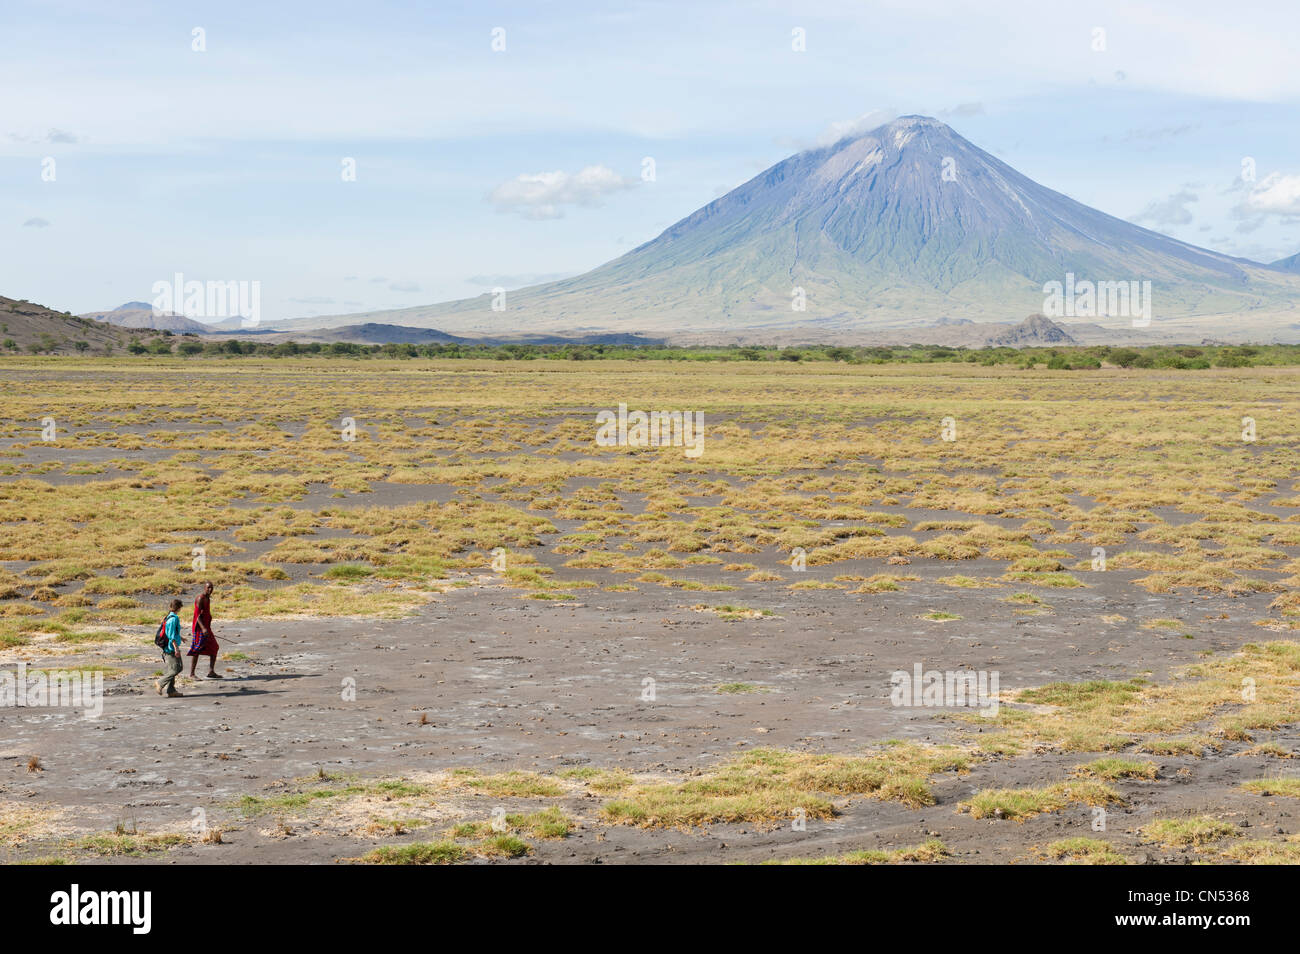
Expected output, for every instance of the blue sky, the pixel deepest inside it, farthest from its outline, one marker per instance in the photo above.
(477, 167)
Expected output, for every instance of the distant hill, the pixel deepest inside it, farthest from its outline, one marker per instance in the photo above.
(231, 324)
(139, 316)
(1035, 331)
(383, 334)
(51, 332)
(889, 230)
(29, 326)
(1289, 264)
(375, 333)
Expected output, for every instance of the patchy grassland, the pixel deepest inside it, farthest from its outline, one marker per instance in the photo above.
(485, 473)
(151, 461)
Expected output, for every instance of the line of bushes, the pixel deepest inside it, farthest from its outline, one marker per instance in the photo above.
(1183, 357)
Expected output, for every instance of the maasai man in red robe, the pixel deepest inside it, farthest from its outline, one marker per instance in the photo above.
(203, 641)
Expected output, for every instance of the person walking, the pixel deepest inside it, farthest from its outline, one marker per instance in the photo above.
(172, 664)
(203, 641)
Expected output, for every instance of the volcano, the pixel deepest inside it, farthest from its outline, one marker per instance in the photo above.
(901, 227)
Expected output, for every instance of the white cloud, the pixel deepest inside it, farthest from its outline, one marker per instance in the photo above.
(540, 195)
(855, 127)
(37, 223)
(54, 136)
(1170, 211)
(829, 136)
(1276, 194)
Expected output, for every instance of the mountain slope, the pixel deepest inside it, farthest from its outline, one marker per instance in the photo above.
(31, 326)
(1289, 264)
(876, 236)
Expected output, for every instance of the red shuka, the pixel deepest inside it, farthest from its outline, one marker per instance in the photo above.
(203, 643)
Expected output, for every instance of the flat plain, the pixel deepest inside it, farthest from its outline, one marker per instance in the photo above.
(457, 629)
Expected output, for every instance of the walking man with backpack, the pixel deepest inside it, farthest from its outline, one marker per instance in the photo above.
(169, 641)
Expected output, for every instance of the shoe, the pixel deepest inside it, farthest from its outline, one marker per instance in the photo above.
(175, 695)
(215, 675)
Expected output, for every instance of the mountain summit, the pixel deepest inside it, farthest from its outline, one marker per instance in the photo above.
(897, 227)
